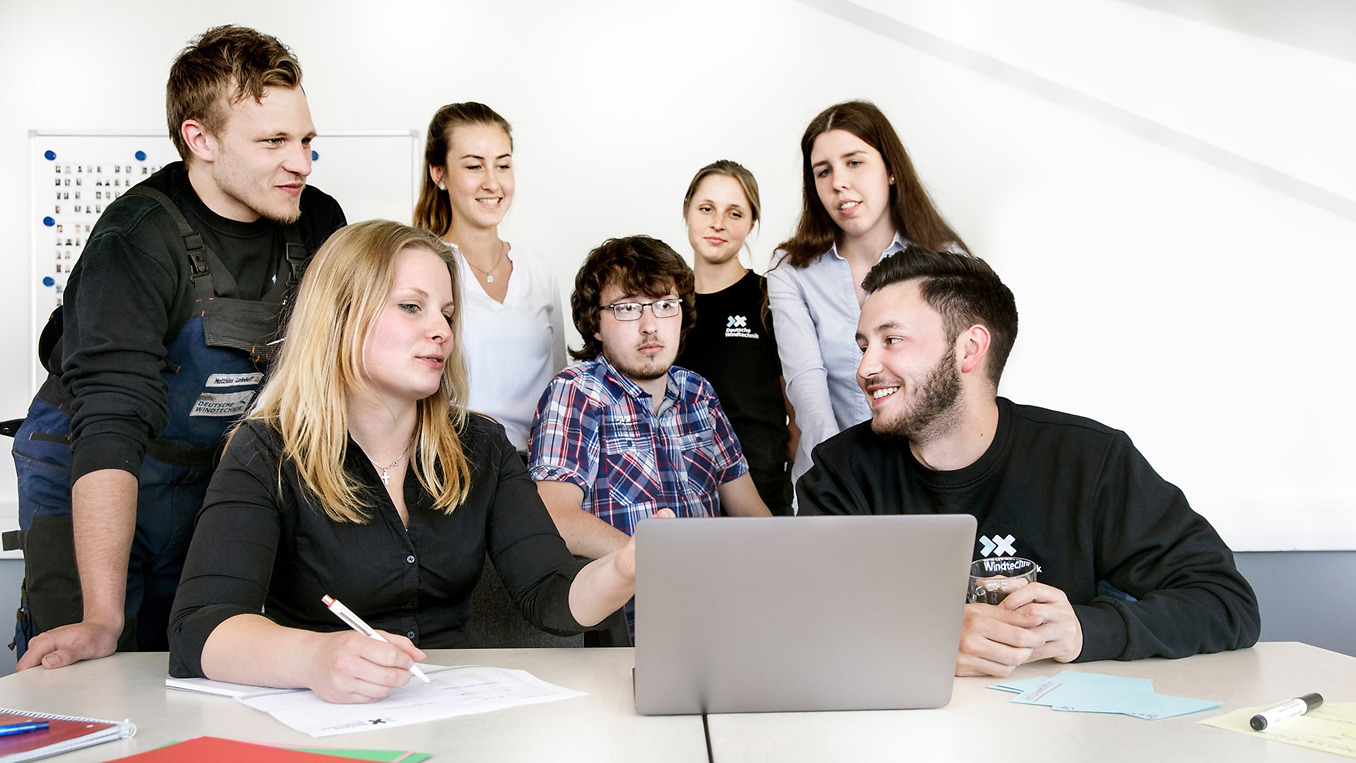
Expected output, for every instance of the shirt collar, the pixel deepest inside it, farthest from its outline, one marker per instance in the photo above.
(897, 245)
(621, 380)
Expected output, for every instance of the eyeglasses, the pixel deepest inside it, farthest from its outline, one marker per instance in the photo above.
(631, 311)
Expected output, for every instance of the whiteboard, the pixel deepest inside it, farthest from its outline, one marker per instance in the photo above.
(75, 175)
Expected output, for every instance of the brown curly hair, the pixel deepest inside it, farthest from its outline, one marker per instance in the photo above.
(639, 265)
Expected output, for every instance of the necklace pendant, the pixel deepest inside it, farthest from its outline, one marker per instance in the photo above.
(385, 477)
(489, 279)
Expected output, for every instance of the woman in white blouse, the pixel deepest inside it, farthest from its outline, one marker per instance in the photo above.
(514, 330)
(862, 201)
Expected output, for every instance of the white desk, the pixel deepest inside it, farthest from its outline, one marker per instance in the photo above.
(981, 723)
(601, 727)
(978, 724)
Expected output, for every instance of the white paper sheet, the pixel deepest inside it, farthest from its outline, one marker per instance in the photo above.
(221, 688)
(454, 691)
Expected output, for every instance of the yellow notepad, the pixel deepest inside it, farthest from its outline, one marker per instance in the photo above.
(1330, 728)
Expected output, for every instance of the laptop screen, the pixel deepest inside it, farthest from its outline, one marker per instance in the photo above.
(799, 613)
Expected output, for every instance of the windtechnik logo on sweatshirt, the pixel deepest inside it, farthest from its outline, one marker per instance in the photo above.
(997, 546)
(737, 327)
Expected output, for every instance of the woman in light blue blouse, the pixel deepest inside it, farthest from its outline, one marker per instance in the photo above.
(862, 201)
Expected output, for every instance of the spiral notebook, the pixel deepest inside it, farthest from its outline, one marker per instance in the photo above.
(64, 733)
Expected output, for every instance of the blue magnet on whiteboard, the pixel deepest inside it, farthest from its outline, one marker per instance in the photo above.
(49, 222)
(49, 155)
(48, 281)
(140, 155)
(314, 155)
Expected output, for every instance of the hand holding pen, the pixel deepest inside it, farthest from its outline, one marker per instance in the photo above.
(357, 624)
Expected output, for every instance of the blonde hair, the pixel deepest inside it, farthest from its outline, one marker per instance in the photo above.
(729, 169)
(321, 366)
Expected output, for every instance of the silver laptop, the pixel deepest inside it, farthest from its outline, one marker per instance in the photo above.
(747, 615)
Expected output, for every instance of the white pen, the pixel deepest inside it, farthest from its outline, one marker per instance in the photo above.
(357, 624)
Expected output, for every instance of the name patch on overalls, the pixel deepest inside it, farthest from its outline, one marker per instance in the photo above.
(234, 380)
(230, 404)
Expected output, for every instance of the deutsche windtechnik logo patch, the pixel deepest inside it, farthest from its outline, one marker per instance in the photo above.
(737, 327)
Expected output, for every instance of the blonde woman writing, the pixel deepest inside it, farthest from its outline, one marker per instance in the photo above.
(360, 475)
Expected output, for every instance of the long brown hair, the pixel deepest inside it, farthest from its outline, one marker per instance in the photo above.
(914, 215)
(433, 211)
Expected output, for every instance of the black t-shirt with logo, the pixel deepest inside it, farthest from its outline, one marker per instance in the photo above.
(733, 347)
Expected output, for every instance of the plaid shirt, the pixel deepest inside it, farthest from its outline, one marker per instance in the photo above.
(595, 428)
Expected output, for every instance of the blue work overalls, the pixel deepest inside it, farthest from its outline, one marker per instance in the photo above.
(214, 367)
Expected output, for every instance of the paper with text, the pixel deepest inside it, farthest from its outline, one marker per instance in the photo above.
(454, 691)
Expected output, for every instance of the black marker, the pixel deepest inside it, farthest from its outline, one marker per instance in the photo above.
(1294, 708)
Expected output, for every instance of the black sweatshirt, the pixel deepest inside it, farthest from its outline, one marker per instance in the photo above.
(130, 293)
(1077, 498)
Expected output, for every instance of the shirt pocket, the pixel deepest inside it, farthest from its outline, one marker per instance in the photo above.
(697, 453)
(630, 465)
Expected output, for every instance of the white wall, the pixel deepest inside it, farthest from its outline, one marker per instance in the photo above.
(1173, 203)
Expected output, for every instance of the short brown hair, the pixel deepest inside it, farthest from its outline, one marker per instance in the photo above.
(222, 58)
(965, 290)
(639, 265)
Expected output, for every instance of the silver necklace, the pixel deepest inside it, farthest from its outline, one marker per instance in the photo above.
(503, 252)
(385, 470)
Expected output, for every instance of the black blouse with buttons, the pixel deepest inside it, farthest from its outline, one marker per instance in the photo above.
(261, 545)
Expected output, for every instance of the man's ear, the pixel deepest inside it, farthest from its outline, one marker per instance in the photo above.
(198, 140)
(972, 346)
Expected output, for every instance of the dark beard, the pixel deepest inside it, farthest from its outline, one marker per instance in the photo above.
(935, 407)
(634, 373)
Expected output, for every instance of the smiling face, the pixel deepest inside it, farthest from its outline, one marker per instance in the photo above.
(408, 345)
(853, 184)
(643, 349)
(718, 219)
(478, 175)
(908, 370)
(259, 161)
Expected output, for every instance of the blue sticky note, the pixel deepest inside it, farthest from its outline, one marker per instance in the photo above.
(1098, 693)
(1020, 686)
(1170, 706)
(1128, 695)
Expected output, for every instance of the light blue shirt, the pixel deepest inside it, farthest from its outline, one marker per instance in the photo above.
(814, 313)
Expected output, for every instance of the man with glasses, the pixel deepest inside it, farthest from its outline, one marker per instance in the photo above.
(626, 433)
